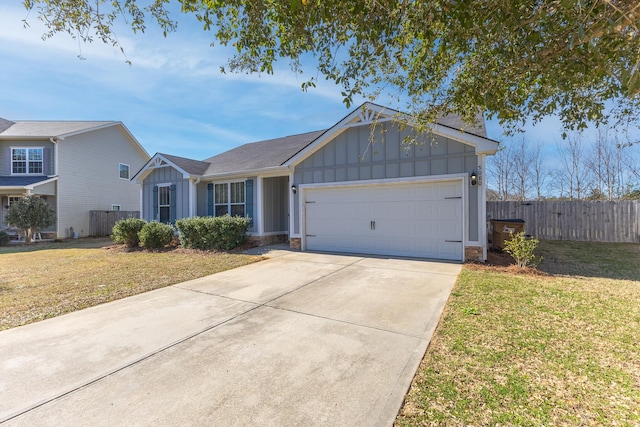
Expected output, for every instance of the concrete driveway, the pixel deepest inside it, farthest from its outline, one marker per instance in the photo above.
(298, 339)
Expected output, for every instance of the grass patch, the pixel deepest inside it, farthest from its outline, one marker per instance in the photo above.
(591, 259)
(45, 280)
(535, 349)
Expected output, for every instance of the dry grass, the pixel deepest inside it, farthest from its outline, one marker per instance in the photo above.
(46, 280)
(534, 348)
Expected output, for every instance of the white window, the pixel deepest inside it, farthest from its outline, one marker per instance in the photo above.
(124, 171)
(164, 204)
(115, 207)
(27, 160)
(229, 199)
(13, 199)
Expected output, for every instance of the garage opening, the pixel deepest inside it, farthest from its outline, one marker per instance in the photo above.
(423, 220)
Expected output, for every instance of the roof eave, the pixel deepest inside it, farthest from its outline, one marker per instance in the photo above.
(25, 138)
(481, 144)
(39, 183)
(249, 172)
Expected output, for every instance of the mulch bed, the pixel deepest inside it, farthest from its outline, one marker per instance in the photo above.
(500, 261)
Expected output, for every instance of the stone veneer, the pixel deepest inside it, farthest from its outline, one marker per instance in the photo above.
(295, 243)
(268, 240)
(473, 253)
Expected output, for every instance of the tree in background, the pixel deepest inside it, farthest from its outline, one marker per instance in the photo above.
(500, 172)
(30, 214)
(523, 167)
(574, 178)
(517, 60)
(587, 166)
(518, 171)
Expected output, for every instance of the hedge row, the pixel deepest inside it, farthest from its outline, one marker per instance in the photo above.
(222, 233)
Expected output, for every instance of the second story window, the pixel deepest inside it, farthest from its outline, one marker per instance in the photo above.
(124, 171)
(26, 160)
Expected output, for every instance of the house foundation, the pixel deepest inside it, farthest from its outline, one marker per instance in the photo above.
(295, 243)
(473, 253)
(268, 240)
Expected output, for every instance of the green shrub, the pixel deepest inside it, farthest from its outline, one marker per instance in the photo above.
(155, 235)
(232, 231)
(196, 232)
(222, 232)
(4, 238)
(126, 231)
(522, 248)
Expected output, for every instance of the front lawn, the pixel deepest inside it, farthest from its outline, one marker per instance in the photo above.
(560, 347)
(44, 280)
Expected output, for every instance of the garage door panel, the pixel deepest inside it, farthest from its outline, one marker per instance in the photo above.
(419, 220)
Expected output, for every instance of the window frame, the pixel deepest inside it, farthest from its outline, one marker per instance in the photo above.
(230, 198)
(161, 187)
(27, 160)
(120, 165)
(13, 199)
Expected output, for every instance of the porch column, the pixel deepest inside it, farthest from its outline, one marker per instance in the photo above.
(259, 207)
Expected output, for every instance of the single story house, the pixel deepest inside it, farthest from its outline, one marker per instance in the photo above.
(355, 187)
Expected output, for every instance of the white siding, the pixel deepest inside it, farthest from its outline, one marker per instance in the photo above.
(89, 176)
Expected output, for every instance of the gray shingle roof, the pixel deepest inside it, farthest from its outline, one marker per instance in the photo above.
(262, 154)
(454, 121)
(194, 167)
(48, 129)
(5, 124)
(20, 181)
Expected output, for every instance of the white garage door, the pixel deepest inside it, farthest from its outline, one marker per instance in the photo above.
(413, 220)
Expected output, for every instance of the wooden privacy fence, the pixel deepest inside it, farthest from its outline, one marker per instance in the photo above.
(602, 221)
(101, 222)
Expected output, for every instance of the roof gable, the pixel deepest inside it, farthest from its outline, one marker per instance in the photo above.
(370, 113)
(187, 167)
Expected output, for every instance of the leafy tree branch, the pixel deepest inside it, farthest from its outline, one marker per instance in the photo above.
(513, 59)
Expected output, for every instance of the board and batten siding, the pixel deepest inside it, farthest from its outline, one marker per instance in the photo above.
(275, 194)
(352, 156)
(162, 176)
(89, 176)
(596, 221)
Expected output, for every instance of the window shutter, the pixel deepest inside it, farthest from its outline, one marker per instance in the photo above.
(7, 161)
(46, 161)
(248, 200)
(172, 204)
(210, 199)
(156, 212)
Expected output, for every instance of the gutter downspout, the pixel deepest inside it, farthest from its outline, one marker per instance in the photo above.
(55, 141)
(193, 206)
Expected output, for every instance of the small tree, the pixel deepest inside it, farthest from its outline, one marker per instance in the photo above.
(522, 248)
(30, 214)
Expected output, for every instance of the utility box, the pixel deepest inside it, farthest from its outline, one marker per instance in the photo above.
(502, 230)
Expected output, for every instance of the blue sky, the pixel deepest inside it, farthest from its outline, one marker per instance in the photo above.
(173, 97)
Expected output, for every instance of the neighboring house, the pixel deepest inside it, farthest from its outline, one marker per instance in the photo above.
(336, 190)
(75, 166)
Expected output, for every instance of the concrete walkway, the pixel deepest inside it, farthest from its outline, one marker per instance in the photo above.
(298, 339)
